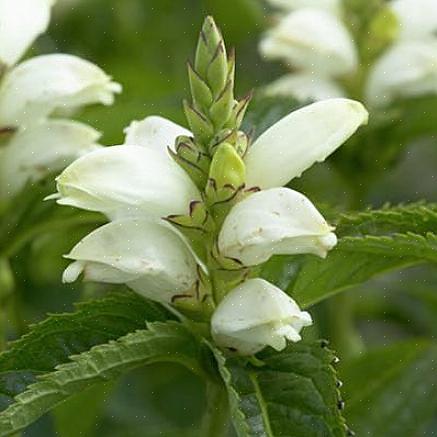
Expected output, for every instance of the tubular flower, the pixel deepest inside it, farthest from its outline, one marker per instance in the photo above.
(255, 315)
(222, 202)
(33, 145)
(149, 257)
(404, 67)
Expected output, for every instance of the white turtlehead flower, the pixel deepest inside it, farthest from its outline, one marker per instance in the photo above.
(313, 40)
(36, 88)
(154, 132)
(257, 314)
(417, 18)
(150, 258)
(406, 70)
(300, 139)
(41, 149)
(305, 87)
(127, 181)
(278, 221)
(21, 21)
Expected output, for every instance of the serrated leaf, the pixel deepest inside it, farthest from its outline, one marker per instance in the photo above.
(293, 394)
(399, 397)
(170, 342)
(54, 340)
(370, 243)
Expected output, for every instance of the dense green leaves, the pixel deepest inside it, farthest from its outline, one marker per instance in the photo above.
(399, 396)
(170, 342)
(293, 394)
(54, 340)
(370, 243)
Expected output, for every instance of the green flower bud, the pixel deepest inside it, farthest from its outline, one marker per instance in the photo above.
(227, 168)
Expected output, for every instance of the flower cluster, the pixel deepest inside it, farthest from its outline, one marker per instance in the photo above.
(33, 145)
(193, 212)
(315, 40)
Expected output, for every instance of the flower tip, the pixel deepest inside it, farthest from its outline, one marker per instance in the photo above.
(54, 196)
(72, 272)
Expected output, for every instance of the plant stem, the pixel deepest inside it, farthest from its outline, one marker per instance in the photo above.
(215, 420)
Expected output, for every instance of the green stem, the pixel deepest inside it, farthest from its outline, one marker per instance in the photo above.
(6, 290)
(216, 418)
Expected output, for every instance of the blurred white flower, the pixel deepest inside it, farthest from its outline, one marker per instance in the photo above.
(257, 314)
(313, 40)
(34, 89)
(150, 258)
(310, 39)
(32, 144)
(41, 149)
(21, 21)
(278, 221)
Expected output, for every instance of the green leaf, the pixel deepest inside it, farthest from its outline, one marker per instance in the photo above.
(54, 340)
(293, 394)
(370, 243)
(398, 397)
(170, 342)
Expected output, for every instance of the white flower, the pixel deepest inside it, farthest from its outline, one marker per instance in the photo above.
(305, 87)
(406, 70)
(35, 152)
(300, 139)
(257, 314)
(21, 21)
(417, 18)
(313, 40)
(278, 221)
(148, 257)
(154, 132)
(36, 88)
(127, 181)
(290, 5)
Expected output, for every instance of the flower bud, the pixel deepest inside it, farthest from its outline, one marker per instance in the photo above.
(37, 87)
(127, 181)
(227, 168)
(149, 258)
(300, 139)
(278, 221)
(313, 40)
(257, 314)
(21, 21)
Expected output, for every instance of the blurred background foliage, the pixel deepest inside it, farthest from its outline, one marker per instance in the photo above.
(144, 45)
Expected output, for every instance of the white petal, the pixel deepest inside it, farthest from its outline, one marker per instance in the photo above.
(257, 314)
(21, 21)
(278, 221)
(314, 40)
(127, 181)
(305, 87)
(33, 153)
(37, 87)
(333, 6)
(300, 139)
(417, 18)
(154, 132)
(149, 257)
(406, 70)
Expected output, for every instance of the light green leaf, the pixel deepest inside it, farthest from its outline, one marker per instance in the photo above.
(370, 243)
(398, 397)
(293, 394)
(170, 342)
